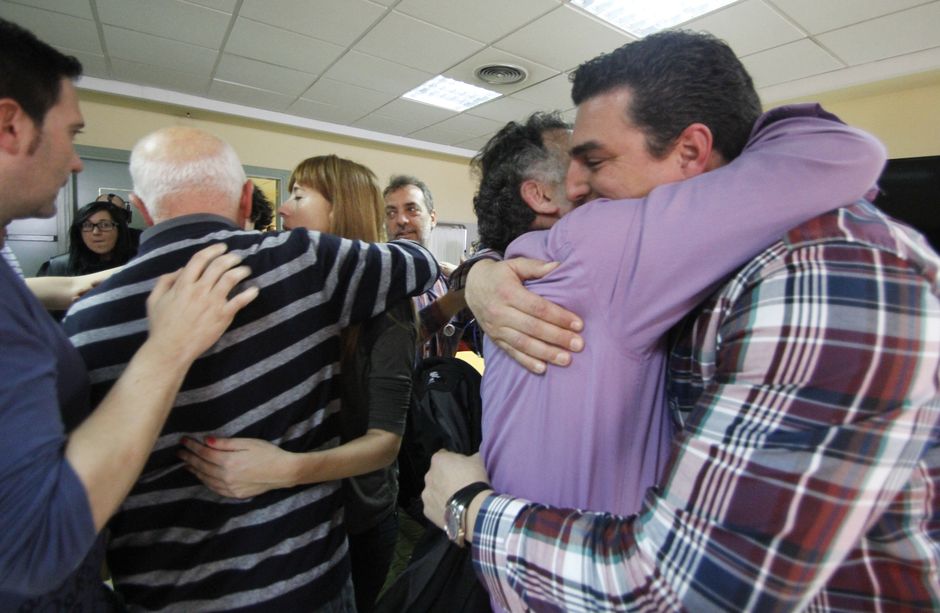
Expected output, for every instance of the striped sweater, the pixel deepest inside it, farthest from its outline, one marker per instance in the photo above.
(175, 544)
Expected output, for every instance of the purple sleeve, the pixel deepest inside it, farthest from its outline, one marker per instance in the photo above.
(44, 510)
(686, 237)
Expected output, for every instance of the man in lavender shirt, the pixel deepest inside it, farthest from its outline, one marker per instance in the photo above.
(633, 268)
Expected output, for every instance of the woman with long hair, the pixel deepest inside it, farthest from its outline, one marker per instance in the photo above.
(99, 239)
(339, 196)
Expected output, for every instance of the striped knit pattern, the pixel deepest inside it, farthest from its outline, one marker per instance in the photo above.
(178, 546)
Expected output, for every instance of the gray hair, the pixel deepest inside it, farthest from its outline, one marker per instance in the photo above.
(180, 160)
(400, 181)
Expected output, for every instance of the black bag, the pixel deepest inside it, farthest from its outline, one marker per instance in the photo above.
(439, 579)
(446, 413)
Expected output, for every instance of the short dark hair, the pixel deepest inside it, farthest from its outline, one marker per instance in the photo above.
(515, 154)
(31, 71)
(400, 181)
(677, 78)
(261, 210)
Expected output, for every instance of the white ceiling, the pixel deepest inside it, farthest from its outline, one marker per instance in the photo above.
(342, 65)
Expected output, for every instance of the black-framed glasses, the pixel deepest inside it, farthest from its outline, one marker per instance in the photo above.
(104, 226)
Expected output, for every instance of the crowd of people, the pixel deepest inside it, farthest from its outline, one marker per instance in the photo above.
(712, 366)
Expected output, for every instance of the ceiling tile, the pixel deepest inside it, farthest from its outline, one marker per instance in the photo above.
(236, 69)
(376, 73)
(733, 24)
(817, 16)
(551, 94)
(147, 49)
(248, 96)
(407, 41)
(505, 109)
(483, 20)
(380, 123)
(335, 21)
(63, 30)
(417, 112)
(437, 134)
(475, 144)
(864, 42)
(584, 38)
(93, 65)
(159, 76)
(175, 20)
(357, 99)
(793, 61)
(76, 8)
(325, 112)
(469, 125)
(464, 71)
(226, 6)
(275, 46)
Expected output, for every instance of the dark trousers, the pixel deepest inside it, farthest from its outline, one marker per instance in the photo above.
(371, 555)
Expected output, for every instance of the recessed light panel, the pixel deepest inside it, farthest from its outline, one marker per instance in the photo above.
(645, 17)
(450, 94)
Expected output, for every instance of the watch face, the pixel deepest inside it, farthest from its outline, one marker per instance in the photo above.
(452, 518)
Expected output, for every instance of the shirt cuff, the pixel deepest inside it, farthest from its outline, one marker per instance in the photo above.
(491, 531)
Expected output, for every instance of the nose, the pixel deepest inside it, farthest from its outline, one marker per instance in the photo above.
(77, 164)
(95, 229)
(577, 187)
(401, 218)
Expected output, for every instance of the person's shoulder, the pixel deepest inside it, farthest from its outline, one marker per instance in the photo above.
(862, 226)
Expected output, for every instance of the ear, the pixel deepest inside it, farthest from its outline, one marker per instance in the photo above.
(693, 150)
(244, 202)
(533, 193)
(16, 127)
(142, 209)
(433, 216)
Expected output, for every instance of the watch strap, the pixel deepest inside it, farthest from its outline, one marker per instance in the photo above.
(456, 507)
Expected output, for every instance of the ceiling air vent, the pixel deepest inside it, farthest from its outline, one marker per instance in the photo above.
(501, 74)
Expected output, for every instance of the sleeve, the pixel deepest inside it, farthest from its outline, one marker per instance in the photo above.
(689, 235)
(392, 364)
(44, 511)
(364, 278)
(821, 413)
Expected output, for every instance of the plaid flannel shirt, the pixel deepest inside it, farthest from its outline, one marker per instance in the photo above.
(807, 471)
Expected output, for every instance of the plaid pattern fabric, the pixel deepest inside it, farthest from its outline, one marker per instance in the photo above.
(807, 472)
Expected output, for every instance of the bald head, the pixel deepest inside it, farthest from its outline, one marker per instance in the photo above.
(180, 171)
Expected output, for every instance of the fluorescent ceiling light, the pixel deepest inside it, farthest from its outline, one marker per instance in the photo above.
(642, 18)
(450, 94)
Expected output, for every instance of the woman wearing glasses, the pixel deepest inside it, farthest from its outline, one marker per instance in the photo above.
(99, 239)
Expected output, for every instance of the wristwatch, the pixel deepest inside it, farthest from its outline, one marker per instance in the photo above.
(455, 511)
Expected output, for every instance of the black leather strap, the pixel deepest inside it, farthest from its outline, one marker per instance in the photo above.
(465, 495)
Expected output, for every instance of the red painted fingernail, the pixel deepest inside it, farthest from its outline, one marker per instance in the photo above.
(210, 440)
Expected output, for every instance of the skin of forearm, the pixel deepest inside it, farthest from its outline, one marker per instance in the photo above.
(55, 293)
(373, 450)
(109, 449)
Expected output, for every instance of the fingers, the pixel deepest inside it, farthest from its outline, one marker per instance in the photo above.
(164, 283)
(527, 268)
(201, 260)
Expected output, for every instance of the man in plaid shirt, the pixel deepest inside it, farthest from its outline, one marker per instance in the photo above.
(806, 474)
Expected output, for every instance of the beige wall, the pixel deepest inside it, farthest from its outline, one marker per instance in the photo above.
(118, 123)
(903, 113)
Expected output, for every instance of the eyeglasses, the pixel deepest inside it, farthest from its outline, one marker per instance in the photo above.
(104, 226)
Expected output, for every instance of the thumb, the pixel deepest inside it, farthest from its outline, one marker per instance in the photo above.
(527, 268)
